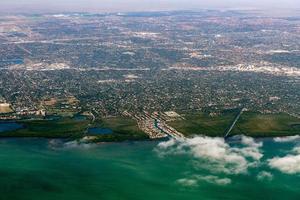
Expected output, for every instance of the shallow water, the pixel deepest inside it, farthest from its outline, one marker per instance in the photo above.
(47, 169)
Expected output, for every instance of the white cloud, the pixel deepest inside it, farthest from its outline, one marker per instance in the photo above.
(194, 180)
(167, 144)
(289, 164)
(249, 141)
(187, 182)
(297, 150)
(214, 154)
(251, 152)
(287, 138)
(215, 180)
(77, 144)
(263, 175)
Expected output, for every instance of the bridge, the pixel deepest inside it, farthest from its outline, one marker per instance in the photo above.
(226, 135)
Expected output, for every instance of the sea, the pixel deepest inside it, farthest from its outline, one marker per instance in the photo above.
(199, 168)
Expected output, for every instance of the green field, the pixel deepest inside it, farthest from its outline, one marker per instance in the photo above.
(267, 125)
(123, 129)
(252, 124)
(203, 123)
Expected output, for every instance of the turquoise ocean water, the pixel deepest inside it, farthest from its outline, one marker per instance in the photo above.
(35, 169)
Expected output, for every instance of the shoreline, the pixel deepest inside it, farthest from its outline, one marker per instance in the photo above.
(124, 128)
(143, 140)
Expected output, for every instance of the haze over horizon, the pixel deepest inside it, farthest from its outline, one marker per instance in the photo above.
(37, 6)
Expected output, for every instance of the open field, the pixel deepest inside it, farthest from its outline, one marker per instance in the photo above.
(66, 107)
(202, 123)
(252, 124)
(267, 125)
(5, 109)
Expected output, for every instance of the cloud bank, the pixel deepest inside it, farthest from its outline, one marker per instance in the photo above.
(287, 139)
(289, 164)
(214, 154)
(217, 158)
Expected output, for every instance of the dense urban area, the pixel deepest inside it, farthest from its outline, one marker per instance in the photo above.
(160, 73)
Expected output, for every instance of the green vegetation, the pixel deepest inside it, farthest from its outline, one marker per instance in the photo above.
(123, 129)
(252, 124)
(267, 125)
(63, 128)
(204, 124)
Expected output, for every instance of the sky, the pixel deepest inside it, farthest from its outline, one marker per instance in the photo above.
(140, 5)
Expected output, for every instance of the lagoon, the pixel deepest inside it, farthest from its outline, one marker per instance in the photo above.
(99, 131)
(9, 126)
(80, 118)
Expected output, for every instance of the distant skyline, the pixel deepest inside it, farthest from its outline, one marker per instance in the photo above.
(34, 6)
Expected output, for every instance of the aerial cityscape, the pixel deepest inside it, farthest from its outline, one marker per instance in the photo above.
(214, 91)
(139, 64)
